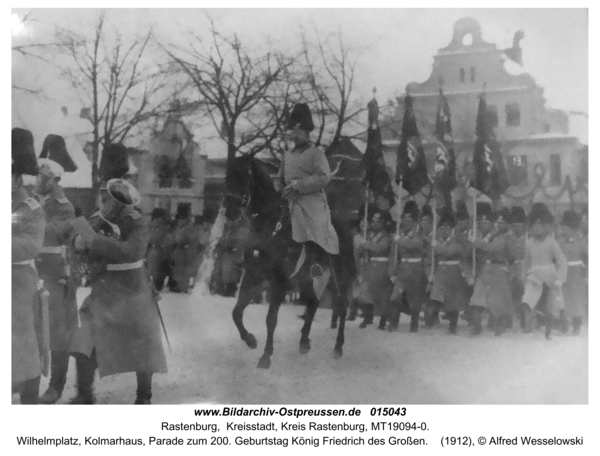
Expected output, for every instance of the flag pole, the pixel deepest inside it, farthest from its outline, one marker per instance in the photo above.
(433, 235)
(366, 214)
(474, 231)
(399, 217)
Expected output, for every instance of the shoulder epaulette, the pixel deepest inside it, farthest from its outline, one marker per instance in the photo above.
(62, 200)
(134, 215)
(32, 203)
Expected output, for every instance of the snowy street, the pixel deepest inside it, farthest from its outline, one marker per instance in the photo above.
(209, 363)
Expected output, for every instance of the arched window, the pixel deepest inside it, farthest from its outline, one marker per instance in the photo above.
(467, 40)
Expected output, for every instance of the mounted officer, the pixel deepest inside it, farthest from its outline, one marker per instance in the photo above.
(304, 174)
(53, 261)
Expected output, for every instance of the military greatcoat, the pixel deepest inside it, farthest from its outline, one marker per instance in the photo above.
(575, 288)
(120, 317)
(449, 284)
(311, 219)
(409, 272)
(28, 226)
(55, 271)
(375, 287)
(492, 288)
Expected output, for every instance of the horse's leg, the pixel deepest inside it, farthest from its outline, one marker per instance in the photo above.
(244, 299)
(341, 303)
(307, 295)
(277, 295)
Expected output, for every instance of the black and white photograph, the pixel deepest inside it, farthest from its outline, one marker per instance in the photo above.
(299, 206)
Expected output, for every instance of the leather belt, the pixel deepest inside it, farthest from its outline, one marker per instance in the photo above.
(125, 266)
(54, 250)
(25, 263)
(449, 263)
(379, 259)
(575, 263)
(411, 260)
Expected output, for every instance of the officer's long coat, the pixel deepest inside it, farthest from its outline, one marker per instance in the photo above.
(55, 271)
(311, 219)
(376, 287)
(449, 284)
(27, 236)
(120, 317)
(575, 288)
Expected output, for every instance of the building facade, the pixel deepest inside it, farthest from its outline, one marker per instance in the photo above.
(544, 162)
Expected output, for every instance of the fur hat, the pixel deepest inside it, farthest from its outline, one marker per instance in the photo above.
(55, 149)
(114, 163)
(426, 212)
(123, 192)
(23, 153)
(571, 219)
(462, 213)
(540, 212)
(517, 215)
(447, 217)
(411, 208)
(503, 215)
(485, 212)
(301, 116)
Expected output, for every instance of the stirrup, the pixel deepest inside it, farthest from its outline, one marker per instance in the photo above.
(316, 271)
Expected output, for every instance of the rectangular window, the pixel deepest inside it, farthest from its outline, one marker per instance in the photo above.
(555, 171)
(462, 75)
(513, 115)
(493, 115)
(517, 169)
(472, 74)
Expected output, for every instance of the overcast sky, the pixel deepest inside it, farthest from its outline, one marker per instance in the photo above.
(397, 44)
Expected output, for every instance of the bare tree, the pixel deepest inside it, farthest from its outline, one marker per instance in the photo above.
(245, 95)
(119, 85)
(329, 69)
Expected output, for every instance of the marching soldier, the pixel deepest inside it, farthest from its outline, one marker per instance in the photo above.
(184, 251)
(544, 269)
(53, 261)
(375, 287)
(28, 224)
(516, 247)
(492, 288)
(575, 287)
(157, 256)
(120, 320)
(408, 294)
(450, 290)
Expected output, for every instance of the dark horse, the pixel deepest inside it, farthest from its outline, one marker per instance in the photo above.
(270, 256)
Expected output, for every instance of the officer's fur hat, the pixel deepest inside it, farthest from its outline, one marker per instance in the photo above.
(485, 212)
(571, 219)
(447, 217)
(517, 215)
(55, 149)
(540, 212)
(301, 116)
(23, 153)
(123, 192)
(411, 208)
(462, 213)
(114, 163)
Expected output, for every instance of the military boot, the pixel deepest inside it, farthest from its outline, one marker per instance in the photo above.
(86, 370)
(59, 364)
(144, 388)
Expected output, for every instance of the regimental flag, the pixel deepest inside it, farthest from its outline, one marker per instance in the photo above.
(490, 172)
(376, 176)
(445, 157)
(411, 166)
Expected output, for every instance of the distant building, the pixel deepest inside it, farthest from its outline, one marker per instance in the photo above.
(544, 161)
(171, 172)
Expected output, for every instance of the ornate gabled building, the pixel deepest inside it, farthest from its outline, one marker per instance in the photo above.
(544, 162)
(171, 173)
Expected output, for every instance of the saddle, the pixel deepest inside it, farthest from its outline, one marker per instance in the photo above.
(319, 280)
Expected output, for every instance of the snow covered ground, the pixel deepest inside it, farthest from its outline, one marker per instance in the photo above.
(209, 363)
